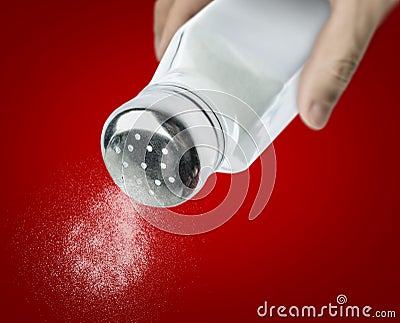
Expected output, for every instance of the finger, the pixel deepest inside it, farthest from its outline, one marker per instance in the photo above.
(180, 12)
(335, 57)
(161, 11)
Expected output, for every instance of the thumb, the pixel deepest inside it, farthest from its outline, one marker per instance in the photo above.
(335, 57)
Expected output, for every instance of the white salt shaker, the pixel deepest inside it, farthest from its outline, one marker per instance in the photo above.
(224, 90)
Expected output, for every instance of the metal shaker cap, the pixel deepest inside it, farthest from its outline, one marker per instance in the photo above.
(160, 147)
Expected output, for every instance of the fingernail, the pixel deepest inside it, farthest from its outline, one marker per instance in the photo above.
(319, 115)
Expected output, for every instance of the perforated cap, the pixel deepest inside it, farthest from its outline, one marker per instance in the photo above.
(161, 154)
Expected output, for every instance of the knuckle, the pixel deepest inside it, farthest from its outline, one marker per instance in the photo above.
(343, 69)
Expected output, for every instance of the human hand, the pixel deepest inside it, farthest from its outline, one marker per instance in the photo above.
(336, 55)
(169, 15)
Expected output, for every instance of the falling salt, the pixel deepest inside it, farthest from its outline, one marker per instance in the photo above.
(85, 253)
(110, 253)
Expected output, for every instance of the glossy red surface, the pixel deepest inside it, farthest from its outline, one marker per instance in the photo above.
(73, 248)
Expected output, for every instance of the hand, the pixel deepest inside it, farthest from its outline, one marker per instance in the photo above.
(169, 15)
(336, 55)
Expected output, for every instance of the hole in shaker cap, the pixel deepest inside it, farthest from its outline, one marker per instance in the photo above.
(189, 167)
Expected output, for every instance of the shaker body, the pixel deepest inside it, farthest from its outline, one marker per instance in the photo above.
(254, 51)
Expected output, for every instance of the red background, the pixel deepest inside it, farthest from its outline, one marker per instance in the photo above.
(331, 226)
